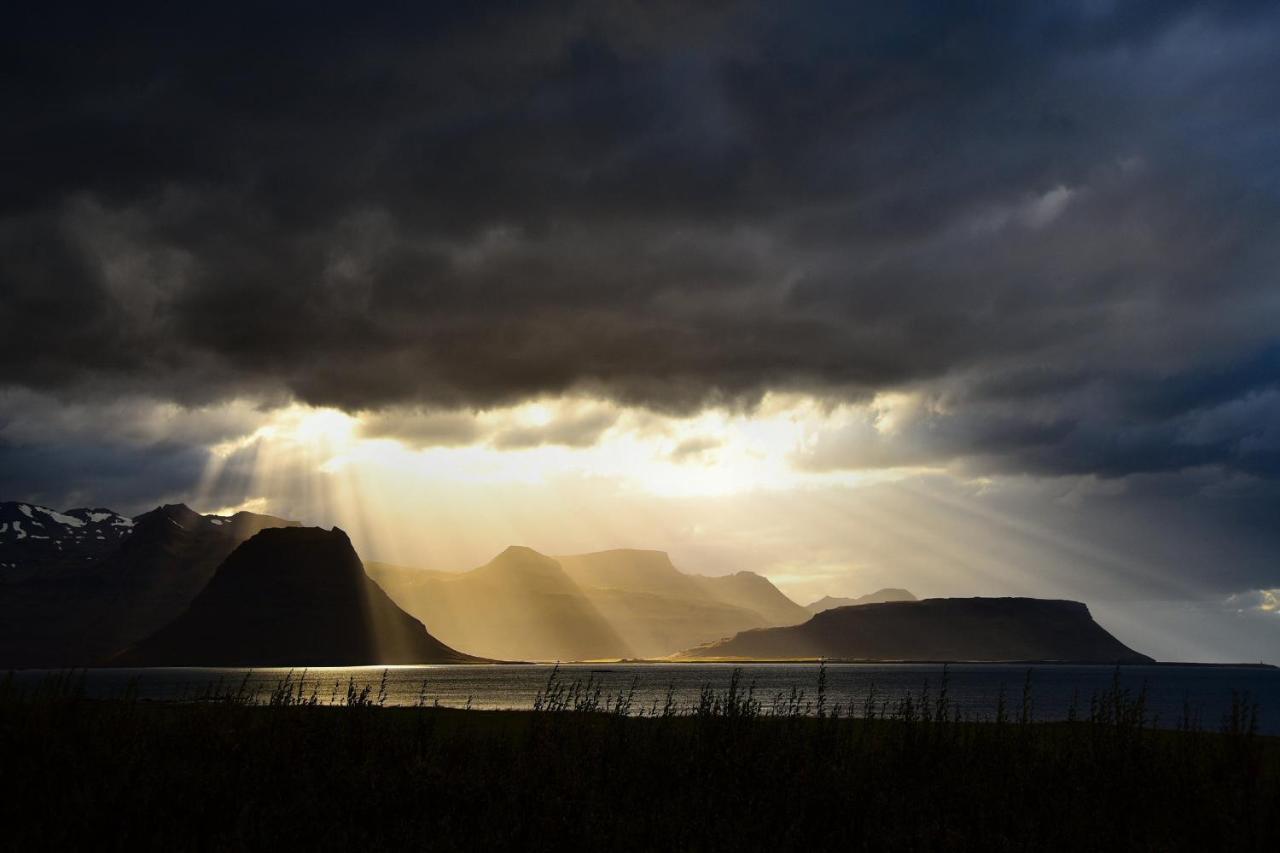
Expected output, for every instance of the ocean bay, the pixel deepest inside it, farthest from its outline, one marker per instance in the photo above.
(1172, 691)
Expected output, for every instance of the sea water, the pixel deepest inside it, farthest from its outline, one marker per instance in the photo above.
(1172, 692)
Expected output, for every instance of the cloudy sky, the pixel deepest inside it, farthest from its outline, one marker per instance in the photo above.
(974, 302)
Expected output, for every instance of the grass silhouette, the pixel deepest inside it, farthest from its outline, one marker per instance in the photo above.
(229, 768)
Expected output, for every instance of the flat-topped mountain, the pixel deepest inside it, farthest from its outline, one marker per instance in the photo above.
(610, 604)
(830, 602)
(633, 569)
(291, 597)
(960, 629)
(92, 588)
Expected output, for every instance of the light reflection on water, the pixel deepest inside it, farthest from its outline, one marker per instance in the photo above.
(973, 688)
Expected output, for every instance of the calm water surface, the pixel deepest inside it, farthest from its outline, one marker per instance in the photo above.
(974, 688)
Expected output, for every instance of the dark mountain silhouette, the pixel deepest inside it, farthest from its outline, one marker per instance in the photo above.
(977, 629)
(79, 611)
(609, 604)
(829, 602)
(291, 597)
(36, 541)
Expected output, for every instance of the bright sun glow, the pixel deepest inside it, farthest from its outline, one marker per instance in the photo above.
(714, 453)
(721, 491)
(561, 461)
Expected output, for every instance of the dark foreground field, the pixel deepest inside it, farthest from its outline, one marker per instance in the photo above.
(730, 773)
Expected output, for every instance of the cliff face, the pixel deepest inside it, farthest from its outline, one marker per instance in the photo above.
(291, 597)
(973, 629)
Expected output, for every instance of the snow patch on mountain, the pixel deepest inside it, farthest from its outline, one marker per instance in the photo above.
(69, 520)
(24, 521)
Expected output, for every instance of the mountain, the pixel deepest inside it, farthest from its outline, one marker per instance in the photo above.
(36, 540)
(77, 604)
(756, 593)
(524, 605)
(631, 569)
(975, 629)
(291, 597)
(652, 572)
(521, 605)
(623, 603)
(829, 602)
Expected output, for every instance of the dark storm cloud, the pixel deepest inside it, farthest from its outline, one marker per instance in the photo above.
(1061, 218)
(126, 479)
(1046, 424)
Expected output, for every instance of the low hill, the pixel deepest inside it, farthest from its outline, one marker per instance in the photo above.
(291, 597)
(960, 629)
(830, 602)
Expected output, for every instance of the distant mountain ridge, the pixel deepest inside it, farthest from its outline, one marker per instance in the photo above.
(828, 602)
(960, 629)
(39, 542)
(294, 596)
(81, 585)
(86, 585)
(78, 604)
(624, 603)
(35, 539)
(644, 571)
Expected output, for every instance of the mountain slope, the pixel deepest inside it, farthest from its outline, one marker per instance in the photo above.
(751, 597)
(521, 605)
(36, 541)
(609, 604)
(978, 629)
(754, 592)
(829, 602)
(633, 570)
(653, 625)
(291, 597)
(77, 612)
